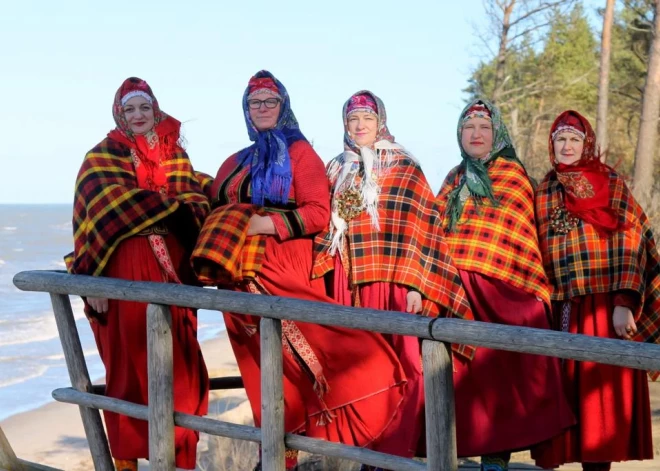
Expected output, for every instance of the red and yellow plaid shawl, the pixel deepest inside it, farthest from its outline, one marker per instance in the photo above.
(585, 262)
(109, 206)
(408, 250)
(224, 253)
(498, 240)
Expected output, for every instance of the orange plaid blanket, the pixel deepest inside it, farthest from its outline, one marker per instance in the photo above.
(499, 240)
(224, 253)
(582, 261)
(408, 250)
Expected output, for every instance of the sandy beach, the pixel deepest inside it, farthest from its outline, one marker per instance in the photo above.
(53, 434)
(62, 443)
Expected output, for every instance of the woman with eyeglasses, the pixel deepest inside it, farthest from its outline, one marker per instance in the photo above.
(385, 250)
(269, 200)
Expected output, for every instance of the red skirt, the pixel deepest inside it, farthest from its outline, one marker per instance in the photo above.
(121, 337)
(611, 403)
(364, 378)
(402, 435)
(506, 401)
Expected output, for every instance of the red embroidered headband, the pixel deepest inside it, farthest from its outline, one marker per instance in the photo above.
(363, 102)
(478, 110)
(263, 85)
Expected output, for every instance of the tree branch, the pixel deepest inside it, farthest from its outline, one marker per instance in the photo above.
(542, 7)
(529, 30)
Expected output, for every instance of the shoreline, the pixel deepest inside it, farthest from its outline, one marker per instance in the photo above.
(39, 365)
(53, 434)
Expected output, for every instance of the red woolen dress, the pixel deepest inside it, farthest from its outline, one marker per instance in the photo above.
(378, 268)
(611, 403)
(121, 339)
(505, 401)
(128, 227)
(592, 272)
(339, 384)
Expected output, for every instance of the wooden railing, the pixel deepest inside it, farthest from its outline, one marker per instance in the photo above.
(437, 335)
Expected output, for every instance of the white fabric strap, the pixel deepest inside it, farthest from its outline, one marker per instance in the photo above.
(135, 93)
(565, 128)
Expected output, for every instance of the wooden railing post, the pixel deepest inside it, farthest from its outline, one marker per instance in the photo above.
(161, 399)
(75, 364)
(272, 396)
(440, 413)
(8, 458)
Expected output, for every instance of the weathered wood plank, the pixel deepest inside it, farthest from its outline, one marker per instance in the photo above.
(160, 380)
(75, 363)
(359, 455)
(8, 458)
(539, 341)
(239, 432)
(9, 461)
(272, 396)
(30, 466)
(439, 400)
(223, 300)
(643, 356)
(192, 422)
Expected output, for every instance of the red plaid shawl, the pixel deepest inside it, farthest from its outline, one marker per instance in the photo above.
(109, 206)
(499, 241)
(584, 262)
(224, 253)
(206, 182)
(408, 250)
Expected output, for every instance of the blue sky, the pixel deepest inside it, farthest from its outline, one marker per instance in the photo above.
(61, 63)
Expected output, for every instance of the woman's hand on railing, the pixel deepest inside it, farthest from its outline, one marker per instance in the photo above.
(100, 305)
(413, 302)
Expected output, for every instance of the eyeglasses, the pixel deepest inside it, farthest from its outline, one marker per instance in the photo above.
(270, 103)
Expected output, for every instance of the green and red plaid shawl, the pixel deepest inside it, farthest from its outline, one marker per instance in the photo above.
(109, 206)
(224, 253)
(583, 261)
(409, 248)
(498, 240)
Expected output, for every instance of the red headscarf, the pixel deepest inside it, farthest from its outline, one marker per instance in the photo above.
(152, 148)
(263, 84)
(587, 182)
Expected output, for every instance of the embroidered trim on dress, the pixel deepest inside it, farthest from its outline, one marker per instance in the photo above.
(565, 316)
(159, 249)
(294, 340)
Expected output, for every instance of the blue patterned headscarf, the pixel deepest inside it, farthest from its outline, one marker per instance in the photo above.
(268, 157)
